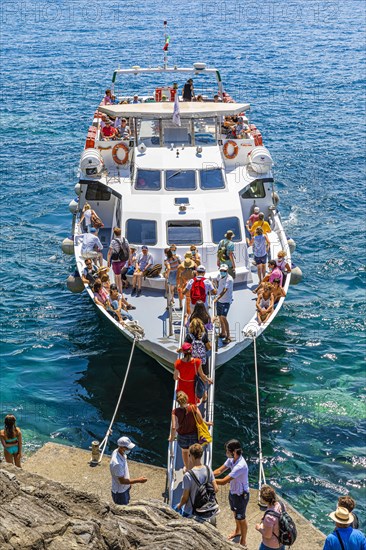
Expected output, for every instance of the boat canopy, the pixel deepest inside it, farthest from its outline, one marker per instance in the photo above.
(165, 109)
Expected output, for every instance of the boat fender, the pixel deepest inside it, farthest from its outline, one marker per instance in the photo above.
(296, 275)
(67, 246)
(292, 245)
(74, 283)
(234, 154)
(73, 206)
(275, 198)
(77, 189)
(115, 156)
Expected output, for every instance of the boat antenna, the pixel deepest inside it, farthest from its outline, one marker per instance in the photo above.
(166, 45)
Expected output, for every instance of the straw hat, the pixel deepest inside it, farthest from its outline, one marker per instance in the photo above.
(103, 269)
(342, 516)
(188, 262)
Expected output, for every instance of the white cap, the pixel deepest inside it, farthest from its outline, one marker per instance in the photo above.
(125, 442)
(201, 269)
(256, 209)
(223, 267)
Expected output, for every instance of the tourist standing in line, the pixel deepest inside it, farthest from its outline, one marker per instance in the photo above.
(239, 487)
(225, 287)
(344, 536)
(121, 481)
(269, 527)
(11, 440)
(119, 247)
(225, 253)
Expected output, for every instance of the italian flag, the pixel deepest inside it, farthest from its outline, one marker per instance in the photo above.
(166, 45)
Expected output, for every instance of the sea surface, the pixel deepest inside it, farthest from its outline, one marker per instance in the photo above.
(301, 65)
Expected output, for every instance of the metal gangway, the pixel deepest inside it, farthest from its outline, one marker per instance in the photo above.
(175, 461)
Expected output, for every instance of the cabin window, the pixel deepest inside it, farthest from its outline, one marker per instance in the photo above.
(176, 180)
(184, 232)
(97, 192)
(212, 179)
(149, 133)
(205, 131)
(256, 189)
(177, 135)
(220, 226)
(148, 180)
(141, 232)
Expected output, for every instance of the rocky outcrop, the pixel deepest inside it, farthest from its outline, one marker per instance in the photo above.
(38, 514)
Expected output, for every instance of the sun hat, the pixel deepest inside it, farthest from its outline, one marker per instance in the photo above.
(188, 263)
(223, 267)
(125, 442)
(256, 209)
(188, 255)
(229, 234)
(186, 347)
(342, 515)
(201, 269)
(103, 268)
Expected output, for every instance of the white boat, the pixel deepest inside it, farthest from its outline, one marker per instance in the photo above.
(198, 183)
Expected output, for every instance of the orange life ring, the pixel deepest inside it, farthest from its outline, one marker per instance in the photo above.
(115, 150)
(234, 153)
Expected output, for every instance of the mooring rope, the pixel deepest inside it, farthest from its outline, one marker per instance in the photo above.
(103, 444)
(262, 477)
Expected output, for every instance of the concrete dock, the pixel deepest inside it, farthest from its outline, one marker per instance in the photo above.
(70, 466)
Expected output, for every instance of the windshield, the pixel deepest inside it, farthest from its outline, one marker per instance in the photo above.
(180, 179)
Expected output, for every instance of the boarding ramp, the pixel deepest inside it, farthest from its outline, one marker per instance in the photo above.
(175, 461)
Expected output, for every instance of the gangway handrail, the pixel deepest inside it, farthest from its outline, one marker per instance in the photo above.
(172, 450)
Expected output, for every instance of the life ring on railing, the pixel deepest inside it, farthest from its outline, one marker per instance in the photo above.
(115, 156)
(235, 149)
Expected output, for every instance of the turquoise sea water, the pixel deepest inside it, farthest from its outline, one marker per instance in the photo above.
(301, 66)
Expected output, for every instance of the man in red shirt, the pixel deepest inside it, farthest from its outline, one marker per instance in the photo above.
(108, 132)
(252, 219)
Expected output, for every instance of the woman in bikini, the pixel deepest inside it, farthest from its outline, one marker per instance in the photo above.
(11, 439)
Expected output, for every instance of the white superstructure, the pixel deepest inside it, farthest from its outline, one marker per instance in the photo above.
(183, 184)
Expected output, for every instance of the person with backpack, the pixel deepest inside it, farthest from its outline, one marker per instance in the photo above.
(225, 253)
(118, 254)
(269, 527)
(199, 488)
(197, 336)
(239, 487)
(185, 273)
(186, 370)
(199, 287)
(344, 536)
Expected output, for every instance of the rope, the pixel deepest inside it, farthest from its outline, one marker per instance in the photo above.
(103, 444)
(262, 477)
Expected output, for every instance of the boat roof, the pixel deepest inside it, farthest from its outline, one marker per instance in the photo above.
(165, 109)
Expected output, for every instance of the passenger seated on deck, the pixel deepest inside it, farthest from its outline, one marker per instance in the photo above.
(123, 129)
(100, 294)
(184, 424)
(242, 129)
(143, 263)
(106, 282)
(216, 98)
(107, 100)
(197, 336)
(89, 273)
(265, 302)
(199, 98)
(274, 273)
(277, 291)
(202, 474)
(119, 304)
(108, 131)
(185, 371)
(129, 267)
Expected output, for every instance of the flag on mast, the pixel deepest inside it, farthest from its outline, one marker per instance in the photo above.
(166, 45)
(176, 111)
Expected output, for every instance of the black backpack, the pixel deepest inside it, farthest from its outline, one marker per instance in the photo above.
(124, 250)
(287, 528)
(205, 504)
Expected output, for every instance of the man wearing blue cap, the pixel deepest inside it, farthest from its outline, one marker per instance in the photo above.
(121, 481)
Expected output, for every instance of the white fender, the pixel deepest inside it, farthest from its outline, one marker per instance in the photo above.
(292, 245)
(296, 276)
(67, 246)
(77, 189)
(74, 284)
(73, 206)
